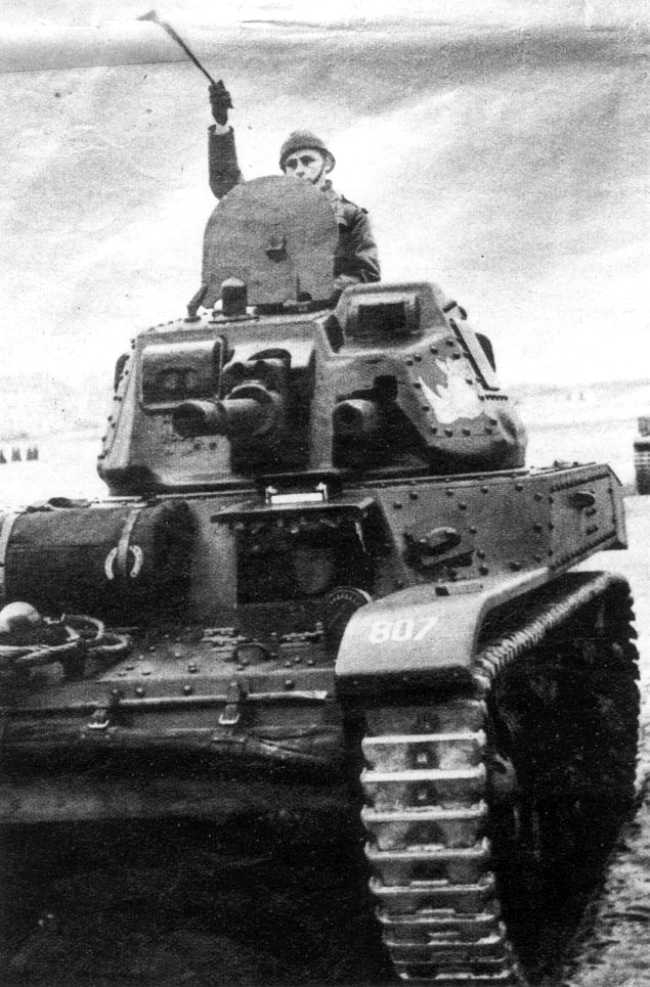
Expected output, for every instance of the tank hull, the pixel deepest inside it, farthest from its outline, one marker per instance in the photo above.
(425, 703)
(239, 651)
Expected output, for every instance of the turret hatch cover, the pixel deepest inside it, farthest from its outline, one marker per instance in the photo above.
(276, 234)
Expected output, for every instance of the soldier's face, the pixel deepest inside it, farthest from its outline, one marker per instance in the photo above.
(308, 164)
(313, 569)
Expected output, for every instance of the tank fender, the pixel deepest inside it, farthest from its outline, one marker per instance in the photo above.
(422, 633)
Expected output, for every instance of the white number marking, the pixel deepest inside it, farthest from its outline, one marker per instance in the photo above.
(427, 626)
(400, 630)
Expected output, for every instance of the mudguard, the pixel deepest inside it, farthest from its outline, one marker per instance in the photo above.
(423, 633)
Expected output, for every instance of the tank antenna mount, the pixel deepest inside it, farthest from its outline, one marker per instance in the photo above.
(153, 16)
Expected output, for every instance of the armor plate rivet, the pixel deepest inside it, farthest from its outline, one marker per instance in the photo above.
(187, 690)
(289, 683)
(139, 690)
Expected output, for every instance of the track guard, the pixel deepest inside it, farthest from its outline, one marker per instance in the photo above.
(420, 633)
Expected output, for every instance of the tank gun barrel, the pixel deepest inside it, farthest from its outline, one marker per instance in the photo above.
(198, 418)
(250, 410)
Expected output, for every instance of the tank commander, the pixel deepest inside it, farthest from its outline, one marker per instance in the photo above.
(305, 156)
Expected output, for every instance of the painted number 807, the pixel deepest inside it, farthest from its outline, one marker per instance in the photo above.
(403, 629)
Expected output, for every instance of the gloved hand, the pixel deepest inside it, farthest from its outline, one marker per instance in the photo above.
(220, 102)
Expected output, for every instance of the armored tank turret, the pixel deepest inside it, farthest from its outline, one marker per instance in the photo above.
(324, 568)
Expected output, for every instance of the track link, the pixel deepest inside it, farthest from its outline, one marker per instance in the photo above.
(445, 780)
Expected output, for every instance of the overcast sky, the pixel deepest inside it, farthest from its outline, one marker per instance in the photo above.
(502, 149)
(511, 12)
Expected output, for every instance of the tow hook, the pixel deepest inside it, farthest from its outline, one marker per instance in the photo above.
(100, 720)
(103, 716)
(231, 714)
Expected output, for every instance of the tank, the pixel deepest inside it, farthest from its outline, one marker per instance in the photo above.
(324, 572)
(642, 456)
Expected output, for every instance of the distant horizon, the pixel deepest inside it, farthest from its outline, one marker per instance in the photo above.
(78, 384)
(60, 406)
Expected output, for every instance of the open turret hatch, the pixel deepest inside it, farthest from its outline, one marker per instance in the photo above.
(278, 235)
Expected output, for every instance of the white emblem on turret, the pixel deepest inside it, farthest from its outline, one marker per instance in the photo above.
(457, 399)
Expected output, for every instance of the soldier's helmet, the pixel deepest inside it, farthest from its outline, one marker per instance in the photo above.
(302, 139)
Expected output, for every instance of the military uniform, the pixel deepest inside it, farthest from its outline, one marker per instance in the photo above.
(356, 259)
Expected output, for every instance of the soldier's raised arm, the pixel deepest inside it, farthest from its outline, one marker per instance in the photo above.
(223, 168)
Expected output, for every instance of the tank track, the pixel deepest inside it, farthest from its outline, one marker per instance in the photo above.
(479, 806)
